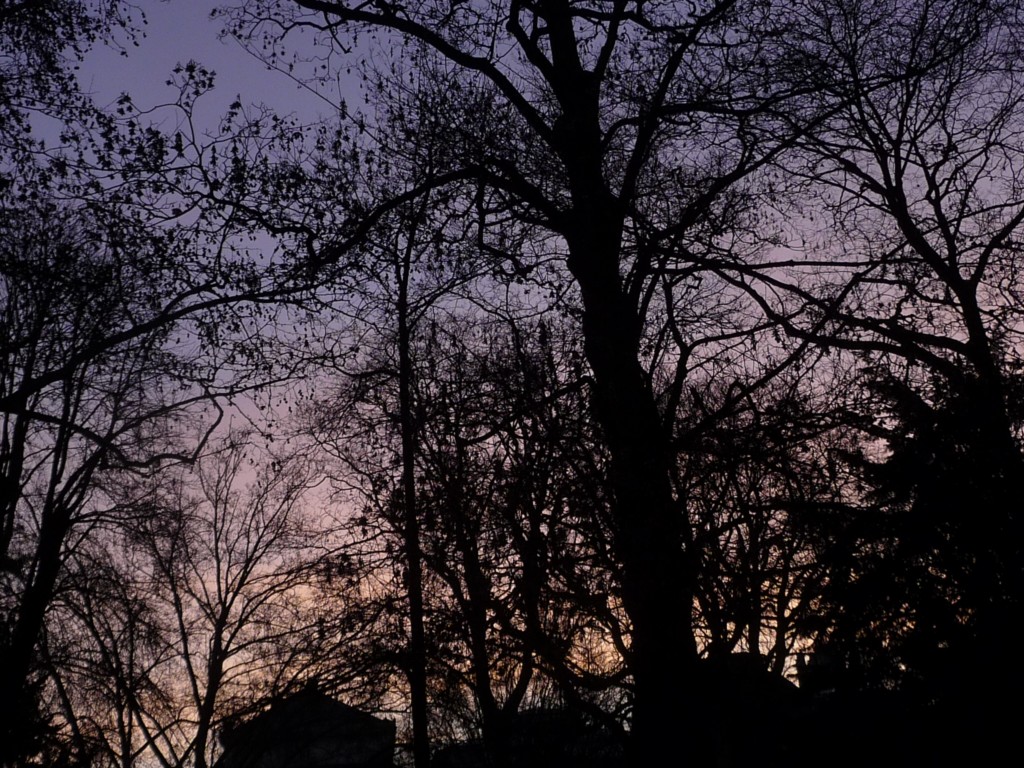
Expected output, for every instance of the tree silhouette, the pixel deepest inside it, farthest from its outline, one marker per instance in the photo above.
(661, 351)
(918, 180)
(621, 130)
(104, 372)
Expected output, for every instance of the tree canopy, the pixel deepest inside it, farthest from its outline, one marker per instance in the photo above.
(647, 368)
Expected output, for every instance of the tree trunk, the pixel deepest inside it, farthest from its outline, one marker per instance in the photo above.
(417, 663)
(651, 531)
(650, 527)
(17, 704)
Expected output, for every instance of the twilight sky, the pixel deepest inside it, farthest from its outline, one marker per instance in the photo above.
(179, 31)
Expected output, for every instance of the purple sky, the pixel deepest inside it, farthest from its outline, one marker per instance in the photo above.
(179, 31)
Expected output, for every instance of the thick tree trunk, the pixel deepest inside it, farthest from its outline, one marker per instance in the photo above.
(650, 527)
(17, 703)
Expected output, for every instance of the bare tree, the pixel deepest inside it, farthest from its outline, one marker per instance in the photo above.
(192, 612)
(223, 566)
(617, 132)
(104, 371)
(917, 180)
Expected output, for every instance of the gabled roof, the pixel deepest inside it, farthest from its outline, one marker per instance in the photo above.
(309, 730)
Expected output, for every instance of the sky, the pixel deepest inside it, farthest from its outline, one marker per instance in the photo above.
(175, 32)
(178, 31)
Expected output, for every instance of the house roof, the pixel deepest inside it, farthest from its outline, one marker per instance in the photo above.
(311, 730)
